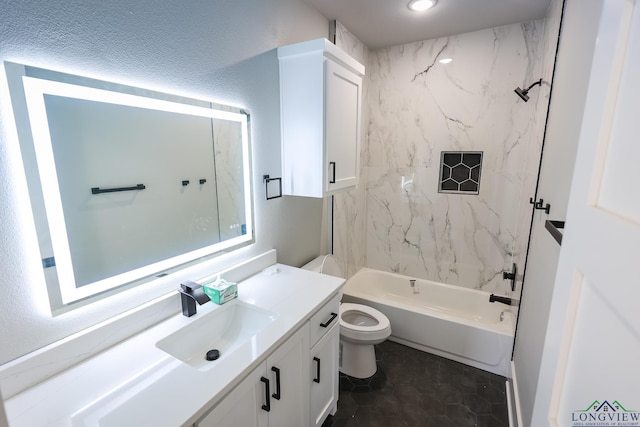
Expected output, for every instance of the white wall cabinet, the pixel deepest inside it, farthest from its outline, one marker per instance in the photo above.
(320, 113)
(275, 394)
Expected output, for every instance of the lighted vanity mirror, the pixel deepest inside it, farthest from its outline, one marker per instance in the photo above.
(126, 184)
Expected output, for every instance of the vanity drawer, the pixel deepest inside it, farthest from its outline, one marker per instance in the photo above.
(322, 321)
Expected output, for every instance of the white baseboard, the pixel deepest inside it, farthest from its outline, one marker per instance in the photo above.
(510, 407)
(513, 400)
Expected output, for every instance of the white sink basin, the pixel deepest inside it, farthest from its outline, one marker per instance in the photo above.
(225, 329)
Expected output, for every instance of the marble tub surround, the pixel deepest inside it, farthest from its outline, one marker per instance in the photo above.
(136, 383)
(420, 107)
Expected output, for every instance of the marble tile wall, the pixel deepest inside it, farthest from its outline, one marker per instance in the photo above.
(416, 107)
(419, 107)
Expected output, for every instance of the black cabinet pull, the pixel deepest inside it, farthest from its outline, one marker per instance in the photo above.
(333, 179)
(267, 405)
(317, 378)
(276, 395)
(328, 322)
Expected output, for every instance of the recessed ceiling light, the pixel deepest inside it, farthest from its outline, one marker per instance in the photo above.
(445, 60)
(421, 5)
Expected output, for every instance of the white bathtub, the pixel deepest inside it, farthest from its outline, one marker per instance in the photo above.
(449, 321)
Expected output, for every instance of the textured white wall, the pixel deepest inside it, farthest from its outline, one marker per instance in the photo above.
(214, 50)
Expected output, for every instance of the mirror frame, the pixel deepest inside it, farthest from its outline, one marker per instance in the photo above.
(28, 87)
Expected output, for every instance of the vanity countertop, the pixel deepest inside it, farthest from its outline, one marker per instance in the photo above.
(134, 383)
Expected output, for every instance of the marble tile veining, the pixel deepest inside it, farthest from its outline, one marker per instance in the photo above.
(420, 107)
(416, 107)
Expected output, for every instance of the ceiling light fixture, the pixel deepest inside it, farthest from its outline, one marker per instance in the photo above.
(445, 60)
(421, 5)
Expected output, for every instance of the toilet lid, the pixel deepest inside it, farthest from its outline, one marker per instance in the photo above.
(383, 321)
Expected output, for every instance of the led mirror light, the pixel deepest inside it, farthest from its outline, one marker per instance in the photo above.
(421, 5)
(35, 91)
(68, 149)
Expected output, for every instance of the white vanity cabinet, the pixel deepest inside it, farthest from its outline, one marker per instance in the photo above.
(325, 341)
(320, 108)
(284, 374)
(301, 376)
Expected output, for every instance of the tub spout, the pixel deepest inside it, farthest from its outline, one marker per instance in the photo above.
(503, 300)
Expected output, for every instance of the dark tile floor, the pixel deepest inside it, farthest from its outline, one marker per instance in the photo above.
(413, 388)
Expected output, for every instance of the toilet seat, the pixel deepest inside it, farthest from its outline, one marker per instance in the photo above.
(365, 333)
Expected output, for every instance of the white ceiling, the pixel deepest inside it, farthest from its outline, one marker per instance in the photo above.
(379, 23)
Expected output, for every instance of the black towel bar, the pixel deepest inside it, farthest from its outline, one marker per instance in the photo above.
(98, 190)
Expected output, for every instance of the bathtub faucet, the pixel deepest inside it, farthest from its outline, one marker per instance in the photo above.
(412, 283)
(504, 300)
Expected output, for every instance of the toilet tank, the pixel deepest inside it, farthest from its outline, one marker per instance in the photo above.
(325, 264)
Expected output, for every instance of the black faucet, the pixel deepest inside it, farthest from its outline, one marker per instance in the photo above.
(504, 300)
(190, 293)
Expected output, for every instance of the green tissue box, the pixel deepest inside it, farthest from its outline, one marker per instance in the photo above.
(220, 291)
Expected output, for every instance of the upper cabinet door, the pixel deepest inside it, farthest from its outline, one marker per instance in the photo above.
(342, 126)
(320, 104)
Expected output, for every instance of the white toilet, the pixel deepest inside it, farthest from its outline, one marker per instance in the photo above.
(361, 327)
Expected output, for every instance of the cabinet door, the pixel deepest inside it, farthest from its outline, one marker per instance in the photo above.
(324, 376)
(288, 371)
(243, 406)
(342, 126)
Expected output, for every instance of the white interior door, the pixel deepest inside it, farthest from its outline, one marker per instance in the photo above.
(590, 372)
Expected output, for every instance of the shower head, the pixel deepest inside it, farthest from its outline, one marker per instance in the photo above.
(523, 93)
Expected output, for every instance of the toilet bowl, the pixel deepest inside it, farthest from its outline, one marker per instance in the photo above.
(361, 327)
